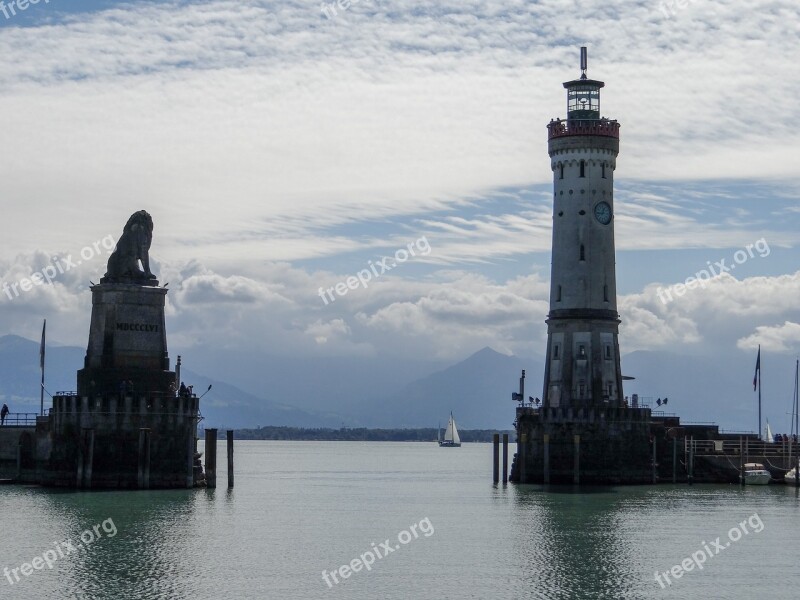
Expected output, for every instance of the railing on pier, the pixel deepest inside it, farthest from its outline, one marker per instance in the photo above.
(20, 420)
(748, 446)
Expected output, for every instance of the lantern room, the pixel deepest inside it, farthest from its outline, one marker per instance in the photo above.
(583, 95)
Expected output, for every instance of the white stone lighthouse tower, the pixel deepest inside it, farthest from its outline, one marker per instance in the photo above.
(582, 367)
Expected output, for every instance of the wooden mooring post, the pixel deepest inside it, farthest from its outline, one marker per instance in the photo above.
(505, 459)
(89, 464)
(496, 461)
(211, 458)
(741, 461)
(675, 460)
(143, 473)
(85, 459)
(230, 459)
(546, 457)
(655, 470)
(191, 448)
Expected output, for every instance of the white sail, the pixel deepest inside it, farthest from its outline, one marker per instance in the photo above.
(448, 434)
(768, 437)
(451, 435)
(456, 439)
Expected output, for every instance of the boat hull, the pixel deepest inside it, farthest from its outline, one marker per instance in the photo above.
(449, 445)
(757, 478)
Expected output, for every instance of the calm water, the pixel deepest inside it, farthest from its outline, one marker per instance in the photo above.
(301, 507)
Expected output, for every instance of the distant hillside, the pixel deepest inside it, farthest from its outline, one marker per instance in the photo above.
(477, 390)
(224, 406)
(362, 434)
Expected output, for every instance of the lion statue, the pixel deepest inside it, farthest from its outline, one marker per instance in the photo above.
(132, 247)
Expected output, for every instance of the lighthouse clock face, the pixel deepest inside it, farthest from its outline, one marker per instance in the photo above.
(602, 212)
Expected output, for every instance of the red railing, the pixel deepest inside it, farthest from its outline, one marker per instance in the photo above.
(605, 127)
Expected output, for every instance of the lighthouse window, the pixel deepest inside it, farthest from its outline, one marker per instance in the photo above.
(581, 351)
(583, 168)
(608, 352)
(561, 169)
(583, 253)
(555, 351)
(605, 293)
(558, 296)
(604, 170)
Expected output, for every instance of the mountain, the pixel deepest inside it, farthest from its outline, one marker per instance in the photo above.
(20, 375)
(385, 392)
(224, 406)
(477, 390)
(341, 384)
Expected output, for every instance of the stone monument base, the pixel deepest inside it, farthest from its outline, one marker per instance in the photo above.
(127, 348)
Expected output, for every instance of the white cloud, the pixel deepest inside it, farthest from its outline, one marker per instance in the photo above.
(783, 338)
(260, 133)
(251, 128)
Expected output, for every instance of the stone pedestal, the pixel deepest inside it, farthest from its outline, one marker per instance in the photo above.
(127, 342)
(603, 445)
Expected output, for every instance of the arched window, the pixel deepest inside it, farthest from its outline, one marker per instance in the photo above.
(604, 170)
(583, 168)
(561, 170)
(605, 293)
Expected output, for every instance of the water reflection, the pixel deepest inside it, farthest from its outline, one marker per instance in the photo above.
(573, 542)
(147, 558)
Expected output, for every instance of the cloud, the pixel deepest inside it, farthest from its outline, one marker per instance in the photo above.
(279, 151)
(326, 331)
(214, 289)
(709, 319)
(258, 128)
(780, 338)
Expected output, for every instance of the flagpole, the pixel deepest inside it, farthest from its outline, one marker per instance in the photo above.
(796, 422)
(759, 392)
(41, 360)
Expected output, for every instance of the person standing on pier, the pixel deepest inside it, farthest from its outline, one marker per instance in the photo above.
(3, 414)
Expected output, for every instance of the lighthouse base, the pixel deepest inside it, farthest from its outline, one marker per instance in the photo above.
(598, 445)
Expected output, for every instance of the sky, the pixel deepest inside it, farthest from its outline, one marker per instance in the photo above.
(281, 150)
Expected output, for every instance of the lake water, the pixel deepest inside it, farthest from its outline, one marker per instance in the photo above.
(303, 507)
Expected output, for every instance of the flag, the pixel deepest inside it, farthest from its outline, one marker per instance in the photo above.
(758, 369)
(41, 347)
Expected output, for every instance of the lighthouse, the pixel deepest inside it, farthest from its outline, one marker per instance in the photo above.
(582, 367)
(583, 431)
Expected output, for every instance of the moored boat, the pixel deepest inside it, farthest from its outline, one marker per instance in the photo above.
(756, 474)
(791, 477)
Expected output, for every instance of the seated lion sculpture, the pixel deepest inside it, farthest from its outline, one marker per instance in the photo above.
(133, 246)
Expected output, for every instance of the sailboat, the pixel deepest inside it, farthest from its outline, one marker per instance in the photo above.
(768, 437)
(792, 475)
(451, 439)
